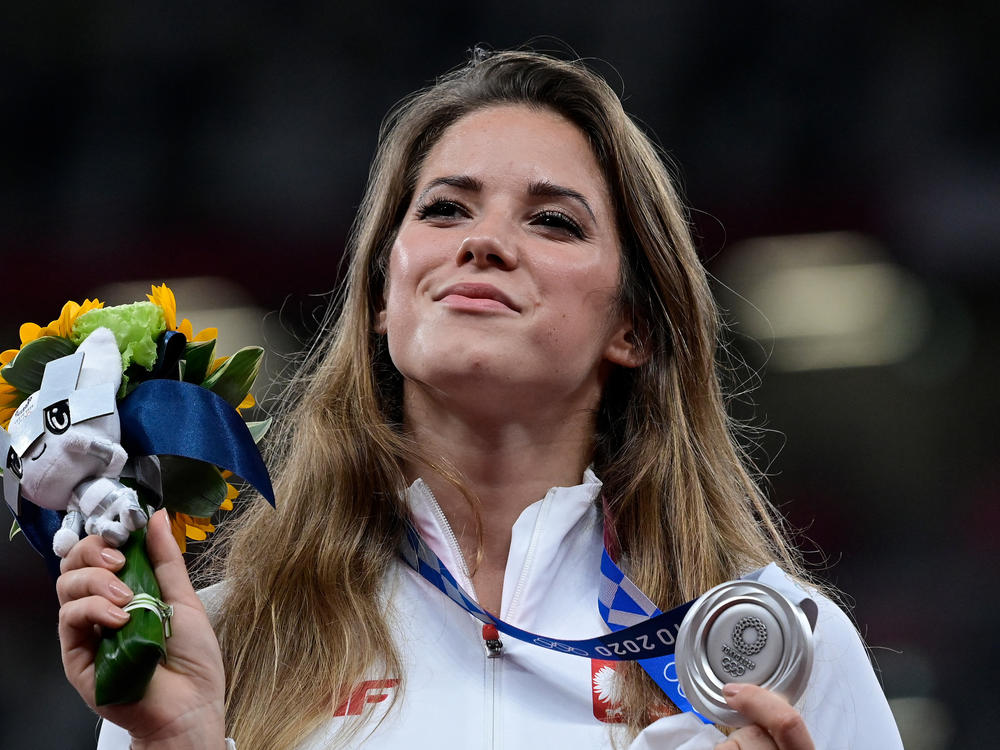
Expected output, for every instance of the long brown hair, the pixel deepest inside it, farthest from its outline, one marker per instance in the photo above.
(302, 619)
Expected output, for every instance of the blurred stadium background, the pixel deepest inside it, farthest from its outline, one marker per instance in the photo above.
(842, 162)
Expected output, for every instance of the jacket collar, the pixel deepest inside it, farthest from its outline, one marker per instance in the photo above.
(565, 511)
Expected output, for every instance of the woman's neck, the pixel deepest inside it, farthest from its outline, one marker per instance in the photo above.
(507, 464)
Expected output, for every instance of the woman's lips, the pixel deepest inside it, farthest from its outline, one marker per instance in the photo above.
(476, 297)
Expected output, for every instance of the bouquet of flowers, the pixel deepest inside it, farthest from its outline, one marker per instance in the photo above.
(106, 414)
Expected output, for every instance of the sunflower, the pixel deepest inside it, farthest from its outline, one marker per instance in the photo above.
(10, 399)
(61, 326)
(163, 297)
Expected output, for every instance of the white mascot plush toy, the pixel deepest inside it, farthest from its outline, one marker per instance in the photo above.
(65, 447)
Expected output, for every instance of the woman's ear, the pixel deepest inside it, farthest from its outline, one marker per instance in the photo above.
(379, 325)
(626, 347)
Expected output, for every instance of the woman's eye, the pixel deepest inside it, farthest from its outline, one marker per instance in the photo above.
(441, 209)
(558, 220)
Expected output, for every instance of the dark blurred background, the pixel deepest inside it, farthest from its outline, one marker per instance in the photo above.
(842, 162)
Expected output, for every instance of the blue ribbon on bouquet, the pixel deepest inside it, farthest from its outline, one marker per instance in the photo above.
(167, 417)
(641, 632)
(174, 418)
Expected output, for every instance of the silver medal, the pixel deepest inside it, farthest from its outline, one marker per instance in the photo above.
(744, 631)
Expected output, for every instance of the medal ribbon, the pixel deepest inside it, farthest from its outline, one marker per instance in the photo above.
(640, 631)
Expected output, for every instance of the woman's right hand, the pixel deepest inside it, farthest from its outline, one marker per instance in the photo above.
(184, 703)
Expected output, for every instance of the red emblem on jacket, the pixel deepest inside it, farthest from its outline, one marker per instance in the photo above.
(369, 691)
(605, 686)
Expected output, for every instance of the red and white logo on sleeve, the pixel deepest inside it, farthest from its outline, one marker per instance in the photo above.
(605, 685)
(366, 693)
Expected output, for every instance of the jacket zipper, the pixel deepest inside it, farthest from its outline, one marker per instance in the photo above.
(491, 638)
(492, 698)
(450, 536)
(529, 557)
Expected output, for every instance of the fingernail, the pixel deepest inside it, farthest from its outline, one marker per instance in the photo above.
(120, 590)
(731, 689)
(118, 614)
(112, 556)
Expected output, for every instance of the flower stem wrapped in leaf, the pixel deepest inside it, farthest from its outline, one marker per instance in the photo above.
(127, 657)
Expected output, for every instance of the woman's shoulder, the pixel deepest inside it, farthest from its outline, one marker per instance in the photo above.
(832, 626)
(844, 705)
(834, 632)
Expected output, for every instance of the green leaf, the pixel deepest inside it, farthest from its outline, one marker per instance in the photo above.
(126, 658)
(198, 357)
(127, 385)
(15, 529)
(25, 372)
(234, 379)
(192, 487)
(259, 429)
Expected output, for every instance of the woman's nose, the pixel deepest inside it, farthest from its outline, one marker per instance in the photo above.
(489, 246)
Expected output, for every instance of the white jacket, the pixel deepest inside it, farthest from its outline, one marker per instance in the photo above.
(453, 696)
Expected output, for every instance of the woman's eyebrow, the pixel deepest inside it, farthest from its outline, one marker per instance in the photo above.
(460, 181)
(546, 189)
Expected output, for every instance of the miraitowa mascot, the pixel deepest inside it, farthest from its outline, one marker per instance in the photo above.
(65, 452)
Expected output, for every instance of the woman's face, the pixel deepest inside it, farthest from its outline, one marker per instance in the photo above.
(503, 278)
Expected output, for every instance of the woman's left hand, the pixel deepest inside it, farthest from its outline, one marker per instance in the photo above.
(776, 724)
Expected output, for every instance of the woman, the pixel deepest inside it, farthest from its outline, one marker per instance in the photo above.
(524, 313)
